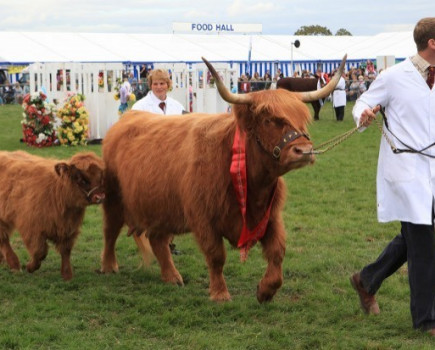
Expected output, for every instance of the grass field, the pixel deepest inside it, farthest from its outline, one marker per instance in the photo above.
(332, 231)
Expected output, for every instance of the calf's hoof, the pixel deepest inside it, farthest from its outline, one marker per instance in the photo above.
(33, 266)
(67, 275)
(13, 262)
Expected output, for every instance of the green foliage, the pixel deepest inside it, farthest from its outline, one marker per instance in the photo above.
(332, 231)
(313, 30)
(343, 31)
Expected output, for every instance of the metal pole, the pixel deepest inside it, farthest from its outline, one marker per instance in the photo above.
(296, 43)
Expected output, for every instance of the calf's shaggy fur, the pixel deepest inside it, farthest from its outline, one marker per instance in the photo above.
(45, 200)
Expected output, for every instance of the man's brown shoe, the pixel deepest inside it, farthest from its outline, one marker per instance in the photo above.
(368, 301)
(431, 332)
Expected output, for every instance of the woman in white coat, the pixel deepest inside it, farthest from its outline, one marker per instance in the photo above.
(339, 98)
(157, 100)
(405, 181)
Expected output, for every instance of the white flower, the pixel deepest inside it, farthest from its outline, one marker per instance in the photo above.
(41, 137)
(57, 122)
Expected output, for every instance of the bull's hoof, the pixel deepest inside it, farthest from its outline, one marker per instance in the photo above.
(264, 296)
(175, 280)
(109, 268)
(220, 297)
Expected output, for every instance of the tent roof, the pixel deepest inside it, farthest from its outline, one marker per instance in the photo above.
(29, 47)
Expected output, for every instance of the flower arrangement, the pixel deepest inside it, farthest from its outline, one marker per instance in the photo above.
(117, 88)
(101, 80)
(130, 98)
(74, 118)
(38, 126)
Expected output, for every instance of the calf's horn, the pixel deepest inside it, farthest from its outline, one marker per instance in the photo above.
(223, 91)
(325, 91)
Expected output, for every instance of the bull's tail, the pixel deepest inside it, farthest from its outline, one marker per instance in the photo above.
(145, 249)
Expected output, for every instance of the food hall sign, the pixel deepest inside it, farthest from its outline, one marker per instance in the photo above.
(204, 27)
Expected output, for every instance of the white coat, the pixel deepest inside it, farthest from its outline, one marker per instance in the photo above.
(405, 181)
(339, 94)
(150, 103)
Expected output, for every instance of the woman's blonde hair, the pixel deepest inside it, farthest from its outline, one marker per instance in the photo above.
(159, 74)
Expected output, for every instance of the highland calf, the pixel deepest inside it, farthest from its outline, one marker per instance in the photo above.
(215, 175)
(45, 199)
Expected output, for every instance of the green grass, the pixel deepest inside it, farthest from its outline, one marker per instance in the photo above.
(332, 231)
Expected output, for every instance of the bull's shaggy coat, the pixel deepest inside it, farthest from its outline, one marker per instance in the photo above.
(45, 199)
(170, 175)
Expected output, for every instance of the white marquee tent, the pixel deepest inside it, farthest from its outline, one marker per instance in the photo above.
(265, 51)
(85, 56)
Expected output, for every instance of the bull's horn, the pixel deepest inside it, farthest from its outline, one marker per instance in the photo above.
(325, 91)
(223, 91)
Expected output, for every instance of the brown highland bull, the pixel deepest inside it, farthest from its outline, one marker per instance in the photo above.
(45, 199)
(171, 175)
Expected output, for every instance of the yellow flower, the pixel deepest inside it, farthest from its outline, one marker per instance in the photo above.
(78, 128)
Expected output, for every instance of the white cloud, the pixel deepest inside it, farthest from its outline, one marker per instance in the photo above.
(277, 16)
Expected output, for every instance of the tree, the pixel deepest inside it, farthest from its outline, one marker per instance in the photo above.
(344, 32)
(313, 30)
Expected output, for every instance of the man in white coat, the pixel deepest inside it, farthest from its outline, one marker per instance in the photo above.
(405, 181)
(157, 100)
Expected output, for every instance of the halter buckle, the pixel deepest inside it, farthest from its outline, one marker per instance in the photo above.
(276, 152)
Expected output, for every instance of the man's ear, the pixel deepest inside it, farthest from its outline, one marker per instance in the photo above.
(61, 168)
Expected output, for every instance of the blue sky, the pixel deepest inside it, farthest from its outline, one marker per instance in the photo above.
(276, 16)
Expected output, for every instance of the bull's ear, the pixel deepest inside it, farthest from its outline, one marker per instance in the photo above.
(61, 168)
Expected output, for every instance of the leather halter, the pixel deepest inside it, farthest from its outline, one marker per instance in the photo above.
(287, 138)
(90, 193)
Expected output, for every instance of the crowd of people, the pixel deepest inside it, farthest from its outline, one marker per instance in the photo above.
(357, 80)
(13, 93)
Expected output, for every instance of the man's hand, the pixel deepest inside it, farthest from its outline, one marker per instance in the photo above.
(368, 115)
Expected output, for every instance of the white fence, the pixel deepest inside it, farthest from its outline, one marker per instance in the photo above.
(192, 85)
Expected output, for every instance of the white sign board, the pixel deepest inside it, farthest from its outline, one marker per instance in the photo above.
(383, 62)
(205, 27)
